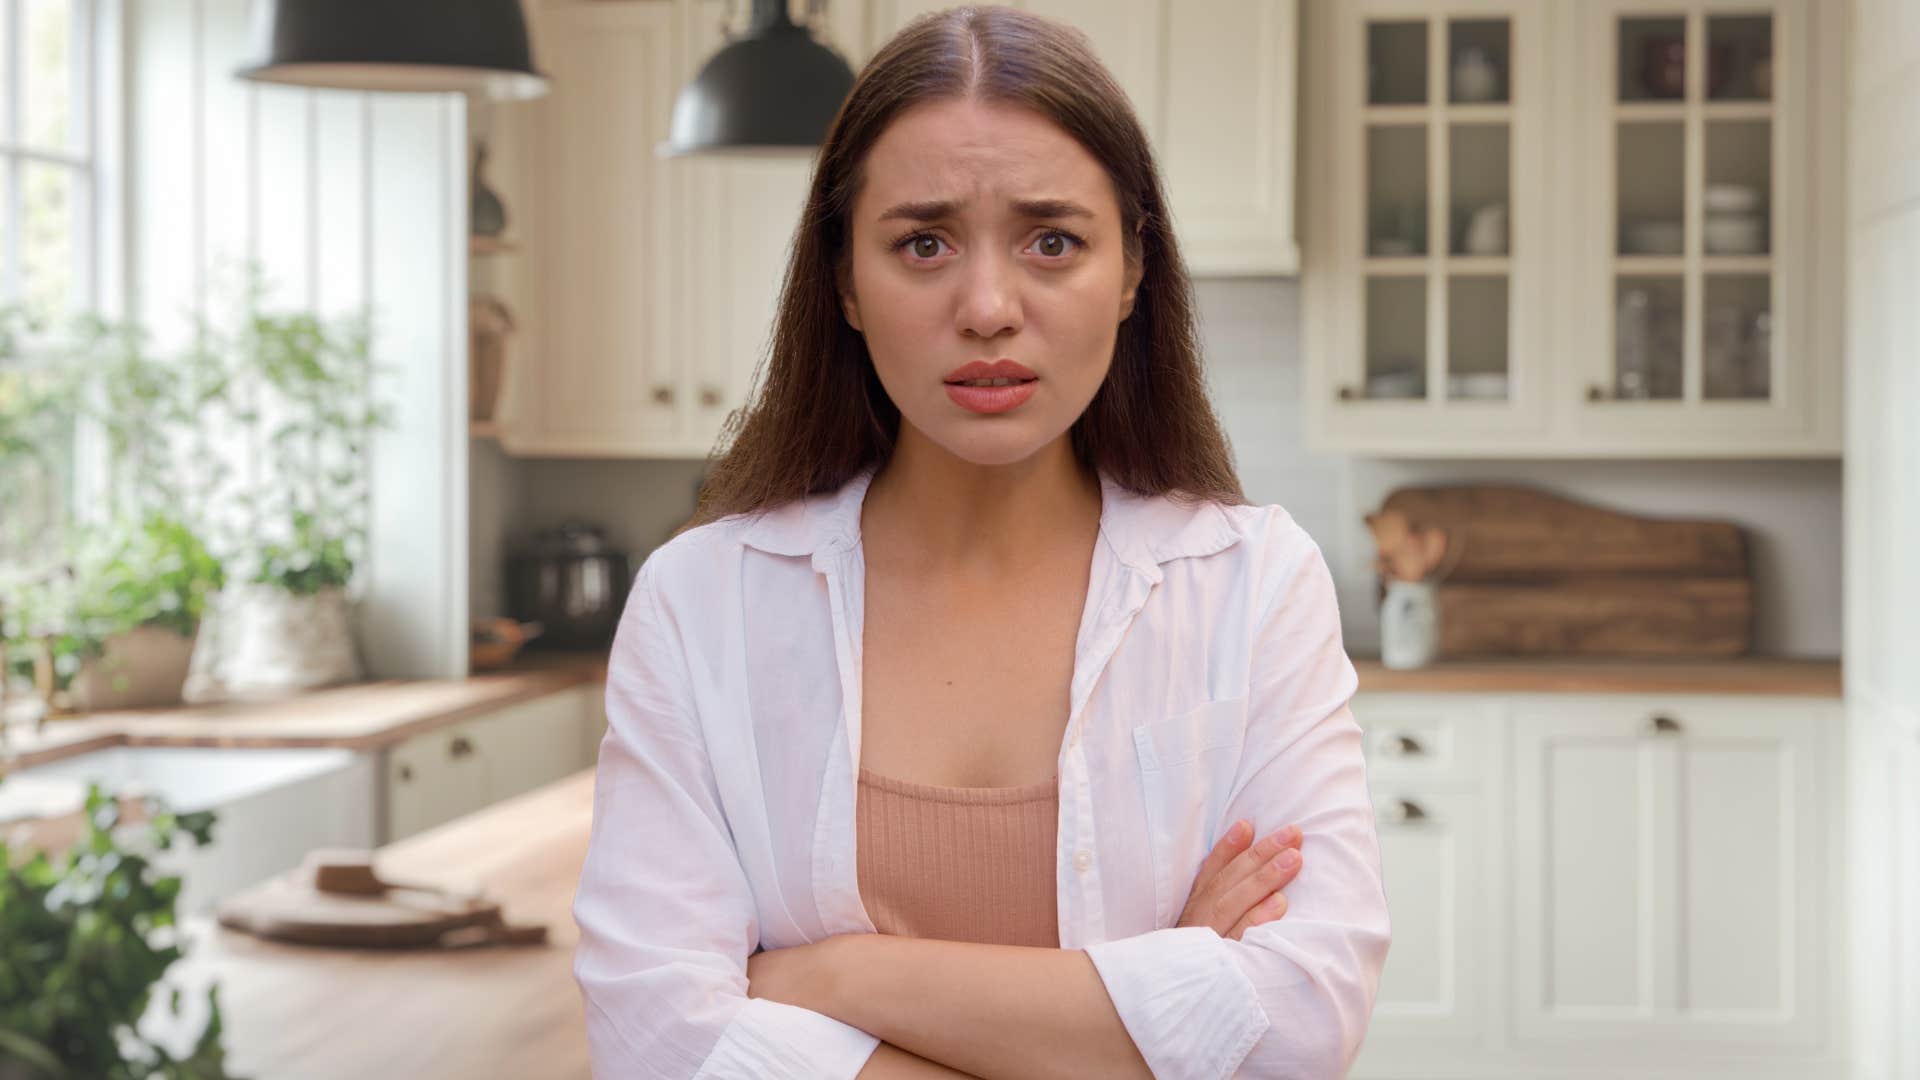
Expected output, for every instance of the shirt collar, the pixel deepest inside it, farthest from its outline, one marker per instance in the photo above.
(1143, 530)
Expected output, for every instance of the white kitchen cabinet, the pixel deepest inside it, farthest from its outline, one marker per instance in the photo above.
(1430, 761)
(1186, 67)
(597, 372)
(1631, 305)
(734, 221)
(1671, 876)
(463, 767)
(1606, 884)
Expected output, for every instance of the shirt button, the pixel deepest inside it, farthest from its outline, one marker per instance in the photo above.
(1082, 859)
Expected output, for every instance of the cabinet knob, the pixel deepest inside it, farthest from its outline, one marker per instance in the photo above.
(709, 396)
(1402, 746)
(1401, 811)
(1347, 392)
(406, 773)
(460, 747)
(1663, 724)
(1595, 392)
(663, 395)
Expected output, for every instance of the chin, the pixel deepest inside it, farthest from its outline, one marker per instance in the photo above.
(991, 441)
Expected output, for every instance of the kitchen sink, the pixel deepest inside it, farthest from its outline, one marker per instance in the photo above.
(270, 805)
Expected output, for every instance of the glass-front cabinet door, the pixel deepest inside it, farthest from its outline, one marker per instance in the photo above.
(1441, 238)
(1697, 298)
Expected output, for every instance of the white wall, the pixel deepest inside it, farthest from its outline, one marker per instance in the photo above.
(348, 199)
(1883, 531)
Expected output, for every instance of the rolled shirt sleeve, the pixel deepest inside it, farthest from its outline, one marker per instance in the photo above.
(1293, 997)
(665, 912)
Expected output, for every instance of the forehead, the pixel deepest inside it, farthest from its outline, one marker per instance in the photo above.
(979, 152)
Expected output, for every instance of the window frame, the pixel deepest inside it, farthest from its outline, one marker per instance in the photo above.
(96, 154)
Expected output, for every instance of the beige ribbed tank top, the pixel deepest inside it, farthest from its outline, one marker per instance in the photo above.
(959, 863)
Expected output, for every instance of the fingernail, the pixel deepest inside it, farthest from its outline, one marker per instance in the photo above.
(1240, 831)
(1289, 859)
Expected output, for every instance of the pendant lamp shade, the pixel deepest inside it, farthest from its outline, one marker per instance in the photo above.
(774, 90)
(477, 46)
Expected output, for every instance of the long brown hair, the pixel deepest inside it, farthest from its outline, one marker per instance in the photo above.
(822, 416)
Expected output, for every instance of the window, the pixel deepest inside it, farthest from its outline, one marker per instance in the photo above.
(51, 200)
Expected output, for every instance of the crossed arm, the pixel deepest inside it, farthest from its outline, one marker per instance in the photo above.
(952, 1008)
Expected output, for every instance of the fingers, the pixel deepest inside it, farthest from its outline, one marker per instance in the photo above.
(1264, 912)
(1259, 871)
(1232, 844)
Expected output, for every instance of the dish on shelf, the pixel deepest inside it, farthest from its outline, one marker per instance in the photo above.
(1653, 238)
(1730, 198)
(1734, 234)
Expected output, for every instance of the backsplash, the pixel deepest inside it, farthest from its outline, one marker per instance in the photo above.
(1792, 509)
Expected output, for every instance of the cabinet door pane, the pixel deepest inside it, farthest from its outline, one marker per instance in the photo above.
(1648, 313)
(1650, 187)
(1396, 320)
(1653, 59)
(1478, 187)
(1477, 336)
(1737, 352)
(1397, 63)
(1739, 187)
(1479, 61)
(1397, 189)
(1740, 57)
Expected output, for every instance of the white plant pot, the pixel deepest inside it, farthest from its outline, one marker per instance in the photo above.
(1409, 624)
(260, 641)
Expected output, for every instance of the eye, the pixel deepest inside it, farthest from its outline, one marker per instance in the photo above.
(925, 244)
(1051, 234)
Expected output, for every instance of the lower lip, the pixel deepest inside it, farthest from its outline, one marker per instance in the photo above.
(991, 399)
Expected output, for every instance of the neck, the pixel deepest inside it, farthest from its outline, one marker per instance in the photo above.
(945, 515)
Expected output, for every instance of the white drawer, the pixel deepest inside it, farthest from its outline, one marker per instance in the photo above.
(1428, 736)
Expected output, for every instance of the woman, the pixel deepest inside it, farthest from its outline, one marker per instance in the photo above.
(965, 704)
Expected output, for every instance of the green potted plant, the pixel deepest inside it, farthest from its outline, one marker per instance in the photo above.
(102, 615)
(284, 622)
(86, 939)
(112, 626)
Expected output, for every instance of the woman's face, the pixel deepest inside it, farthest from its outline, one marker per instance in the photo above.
(984, 232)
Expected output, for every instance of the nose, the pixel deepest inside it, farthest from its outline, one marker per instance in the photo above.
(989, 298)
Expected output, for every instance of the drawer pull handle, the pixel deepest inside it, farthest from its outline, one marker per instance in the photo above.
(1402, 746)
(1400, 812)
(1663, 724)
(460, 747)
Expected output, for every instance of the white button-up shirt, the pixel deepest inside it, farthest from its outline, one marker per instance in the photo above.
(1209, 685)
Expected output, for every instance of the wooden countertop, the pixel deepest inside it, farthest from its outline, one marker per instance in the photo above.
(296, 1011)
(360, 716)
(1745, 675)
(367, 716)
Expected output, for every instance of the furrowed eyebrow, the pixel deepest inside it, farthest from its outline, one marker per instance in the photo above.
(944, 208)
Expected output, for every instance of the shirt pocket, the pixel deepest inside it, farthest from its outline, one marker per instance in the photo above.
(1187, 767)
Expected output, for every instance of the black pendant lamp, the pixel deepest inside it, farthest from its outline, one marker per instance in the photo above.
(476, 46)
(773, 91)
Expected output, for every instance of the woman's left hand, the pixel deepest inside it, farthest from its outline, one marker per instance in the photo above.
(798, 975)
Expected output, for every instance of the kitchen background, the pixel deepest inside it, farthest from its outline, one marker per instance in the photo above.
(1577, 892)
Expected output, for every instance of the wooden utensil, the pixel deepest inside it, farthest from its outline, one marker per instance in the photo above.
(350, 872)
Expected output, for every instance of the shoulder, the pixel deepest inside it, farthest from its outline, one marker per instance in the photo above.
(1279, 553)
(693, 561)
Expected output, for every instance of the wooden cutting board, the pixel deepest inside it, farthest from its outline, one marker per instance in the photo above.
(288, 908)
(1538, 574)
